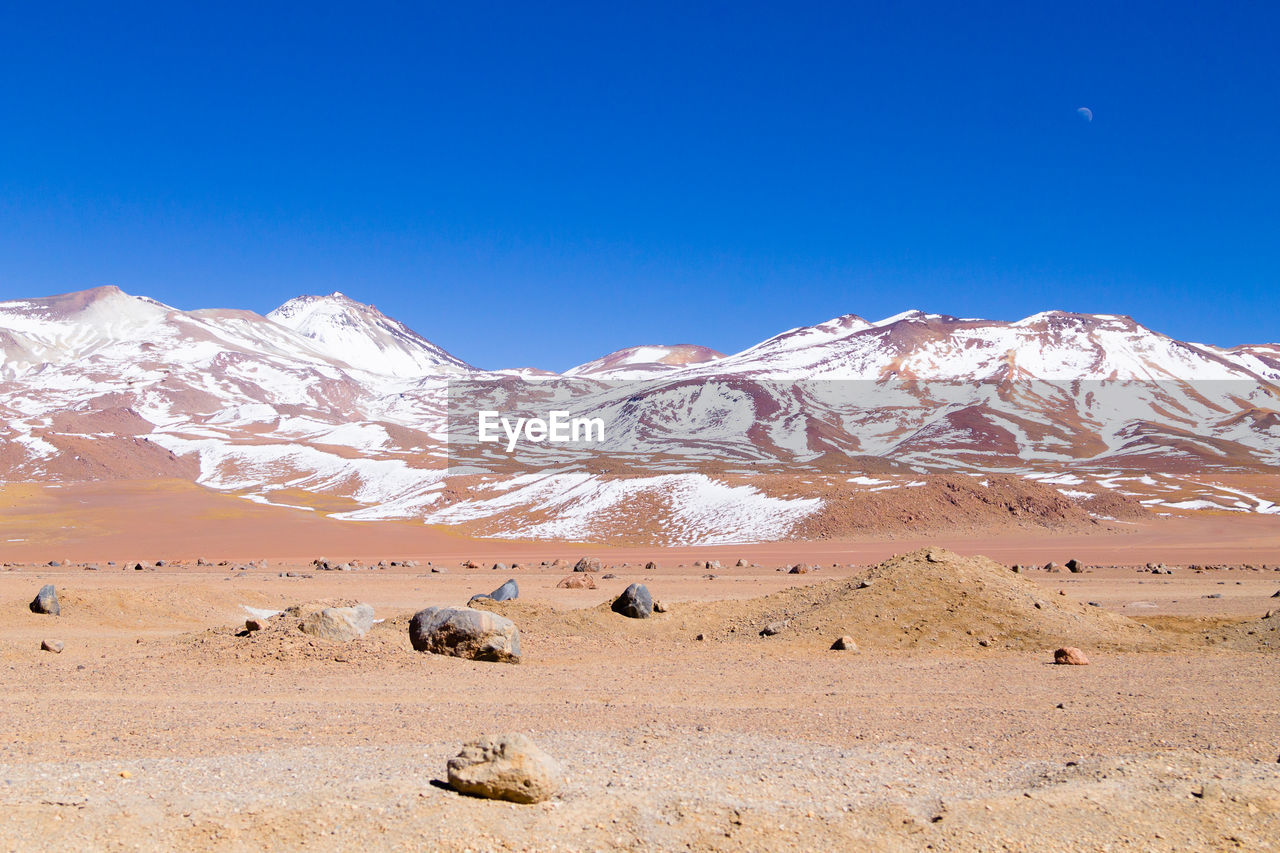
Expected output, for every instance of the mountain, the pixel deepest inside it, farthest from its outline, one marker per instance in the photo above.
(820, 430)
(364, 338)
(645, 361)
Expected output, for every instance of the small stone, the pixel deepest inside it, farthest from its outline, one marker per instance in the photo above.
(635, 602)
(608, 576)
(844, 644)
(46, 601)
(742, 564)
(507, 592)
(257, 623)
(864, 584)
(499, 567)
(508, 767)
(799, 569)
(1075, 566)
(651, 566)
(1210, 791)
(1069, 655)
(659, 607)
(55, 646)
(714, 564)
(773, 628)
(125, 774)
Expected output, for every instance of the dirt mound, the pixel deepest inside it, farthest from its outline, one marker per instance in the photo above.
(282, 639)
(930, 598)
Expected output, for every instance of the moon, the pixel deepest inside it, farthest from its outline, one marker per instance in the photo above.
(1085, 113)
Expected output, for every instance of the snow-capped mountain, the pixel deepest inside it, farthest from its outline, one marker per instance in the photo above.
(364, 338)
(644, 362)
(330, 397)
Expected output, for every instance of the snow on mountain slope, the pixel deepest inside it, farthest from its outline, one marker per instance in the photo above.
(330, 398)
(363, 337)
(645, 361)
(1052, 345)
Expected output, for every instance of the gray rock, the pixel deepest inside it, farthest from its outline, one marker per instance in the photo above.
(714, 564)
(340, 624)
(508, 591)
(1075, 566)
(635, 602)
(507, 767)
(588, 564)
(773, 628)
(55, 646)
(46, 601)
(499, 567)
(466, 633)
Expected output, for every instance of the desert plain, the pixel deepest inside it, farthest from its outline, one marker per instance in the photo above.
(162, 724)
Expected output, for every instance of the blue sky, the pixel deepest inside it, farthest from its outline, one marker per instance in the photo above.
(543, 183)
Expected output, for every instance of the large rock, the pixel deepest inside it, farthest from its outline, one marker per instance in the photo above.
(588, 564)
(635, 602)
(575, 581)
(507, 767)
(1071, 656)
(1075, 566)
(340, 624)
(46, 601)
(466, 633)
(844, 644)
(508, 591)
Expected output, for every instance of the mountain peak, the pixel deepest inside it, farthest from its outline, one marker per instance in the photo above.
(363, 337)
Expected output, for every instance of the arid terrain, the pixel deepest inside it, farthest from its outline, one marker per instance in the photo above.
(161, 726)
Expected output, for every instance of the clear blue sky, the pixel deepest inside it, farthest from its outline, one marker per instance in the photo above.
(542, 183)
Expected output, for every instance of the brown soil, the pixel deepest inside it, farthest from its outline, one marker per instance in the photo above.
(163, 726)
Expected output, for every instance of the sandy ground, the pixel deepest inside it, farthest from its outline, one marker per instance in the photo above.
(158, 728)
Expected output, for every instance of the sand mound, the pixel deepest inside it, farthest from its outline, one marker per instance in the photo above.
(931, 598)
(934, 598)
(283, 640)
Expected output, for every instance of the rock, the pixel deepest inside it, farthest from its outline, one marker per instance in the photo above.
(470, 564)
(1276, 594)
(1071, 656)
(1075, 567)
(499, 567)
(559, 563)
(635, 602)
(583, 581)
(256, 623)
(465, 633)
(340, 624)
(659, 607)
(1209, 791)
(588, 564)
(507, 592)
(1052, 567)
(608, 576)
(46, 601)
(773, 628)
(439, 570)
(55, 646)
(508, 767)
(742, 564)
(714, 564)
(844, 644)
(799, 569)
(864, 584)
(651, 566)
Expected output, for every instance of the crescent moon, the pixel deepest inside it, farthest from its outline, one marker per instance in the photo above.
(1085, 113)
